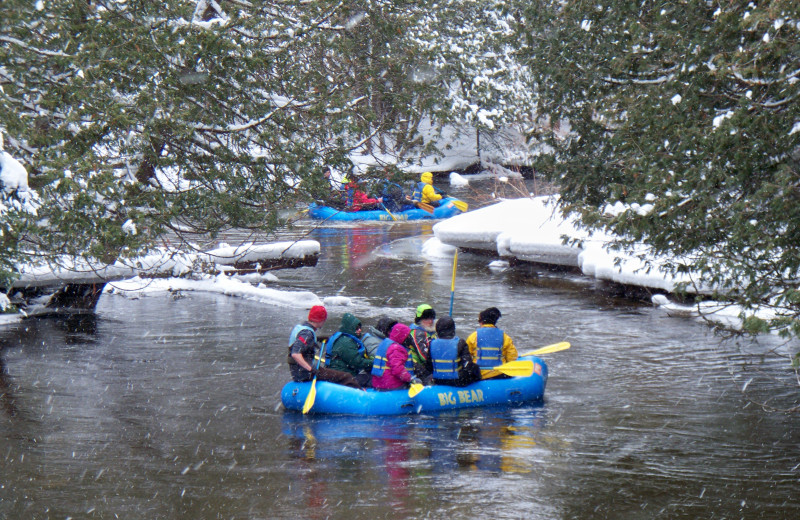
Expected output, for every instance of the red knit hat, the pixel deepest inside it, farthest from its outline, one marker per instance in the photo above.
(317, 314)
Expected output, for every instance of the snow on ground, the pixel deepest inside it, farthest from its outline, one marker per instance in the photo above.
(221, 284)
(160, 261)
(534, 230)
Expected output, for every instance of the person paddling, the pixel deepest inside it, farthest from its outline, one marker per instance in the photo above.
(425, 192)
(302, 347)
(490, 346)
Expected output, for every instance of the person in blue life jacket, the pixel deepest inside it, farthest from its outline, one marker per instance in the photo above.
(390, 369)
(490, 346)
(425, 192)
(302, 348)
(344, 351)
(450, 362)
(422, 332)
(375, 334)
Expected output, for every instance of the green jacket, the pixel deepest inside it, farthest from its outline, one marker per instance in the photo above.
(344, 352)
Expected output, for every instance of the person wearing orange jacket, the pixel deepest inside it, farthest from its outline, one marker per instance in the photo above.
(490, 346)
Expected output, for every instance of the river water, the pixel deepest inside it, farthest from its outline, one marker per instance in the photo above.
(168, 406)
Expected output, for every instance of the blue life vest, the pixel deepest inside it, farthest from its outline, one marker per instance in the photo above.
(417, 193)
(296, 330)
(379, 363)
(444, 354)
(332, 340)
(490, 345)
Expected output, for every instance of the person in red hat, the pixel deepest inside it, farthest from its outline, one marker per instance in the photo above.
(303, 346)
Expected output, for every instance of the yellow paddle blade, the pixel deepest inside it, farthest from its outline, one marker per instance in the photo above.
(312, 394)
(460, 204)
(522, 368)
(414, 389)
(549, 349)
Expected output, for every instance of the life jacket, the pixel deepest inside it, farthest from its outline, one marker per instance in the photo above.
(332, 340)
(296, 330)
(379, 363)
(371, 342)
(490, 345)
(349, 191)
(444, 354)
(417, 193)
(293, 337)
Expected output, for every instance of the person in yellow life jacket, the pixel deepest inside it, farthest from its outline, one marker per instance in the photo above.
(490, 346)
(425, 192)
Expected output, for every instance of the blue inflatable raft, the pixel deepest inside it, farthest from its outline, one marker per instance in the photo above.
(337, 399)
(445, 210)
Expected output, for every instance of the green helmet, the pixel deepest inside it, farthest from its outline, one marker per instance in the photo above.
(422, 308)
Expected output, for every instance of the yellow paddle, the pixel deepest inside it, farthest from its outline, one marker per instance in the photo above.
(460, 204)
(425, 206)
(389, 212)
(414, 389)
(549, 349)
(421, 205)
(312, 392)
(519, 368)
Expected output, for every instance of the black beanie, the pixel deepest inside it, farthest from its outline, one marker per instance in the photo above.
(445, 327)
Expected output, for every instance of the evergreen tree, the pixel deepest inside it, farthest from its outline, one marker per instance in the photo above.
(137, 119)
(691, 107)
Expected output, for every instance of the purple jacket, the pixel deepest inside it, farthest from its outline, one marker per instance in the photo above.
(395, 376)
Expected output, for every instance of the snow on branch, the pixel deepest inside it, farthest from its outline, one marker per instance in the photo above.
(25, 46)
(209, 12)
(655, 81)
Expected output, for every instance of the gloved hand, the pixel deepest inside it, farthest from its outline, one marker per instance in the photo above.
(443, 194)
(416, 381)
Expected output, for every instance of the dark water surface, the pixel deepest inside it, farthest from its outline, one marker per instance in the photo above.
(167, 406)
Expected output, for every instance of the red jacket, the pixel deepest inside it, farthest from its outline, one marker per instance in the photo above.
(360, 198)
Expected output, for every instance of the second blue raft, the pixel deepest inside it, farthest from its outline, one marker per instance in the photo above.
(445, 210)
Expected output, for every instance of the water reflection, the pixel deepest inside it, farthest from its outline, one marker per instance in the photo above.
(491, 440)
(165, 408)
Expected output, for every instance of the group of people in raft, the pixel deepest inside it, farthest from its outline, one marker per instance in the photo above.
(393, 355)
(353, 198)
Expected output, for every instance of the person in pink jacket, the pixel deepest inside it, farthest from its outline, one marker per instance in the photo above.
(390, 369)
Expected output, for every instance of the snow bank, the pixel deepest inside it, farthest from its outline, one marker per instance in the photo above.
(220, 284)
(535, 230)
